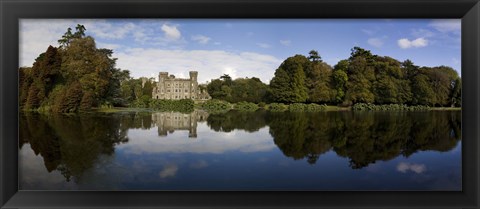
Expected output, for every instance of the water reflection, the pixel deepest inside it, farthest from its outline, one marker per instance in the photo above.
(168, 122)
(72, 145)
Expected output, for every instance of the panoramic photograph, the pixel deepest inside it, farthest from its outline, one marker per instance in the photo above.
(240, 104)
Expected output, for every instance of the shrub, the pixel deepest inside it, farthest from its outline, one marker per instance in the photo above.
(277, 107)
(388, 107)
(315, 107)
(297, 107)
(215, 105)
(262, 104)
(246, 106)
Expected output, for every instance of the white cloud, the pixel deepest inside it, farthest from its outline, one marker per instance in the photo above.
(447, 25)
(209, 63)
(376, 42)
(148, 34)
(285, 42)
(369, 31)
(148, 141)
(171, 32)
(416, 168)
(168, 171)
(36, 35)
(405, 43)
(422, 33)
(108, 46)
(201, 39)
(217, 43)
(263, 45)
(103, 29)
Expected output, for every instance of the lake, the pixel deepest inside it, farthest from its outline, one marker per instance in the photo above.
(337, 150)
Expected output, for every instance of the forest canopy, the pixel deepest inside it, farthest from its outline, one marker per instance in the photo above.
(361, 78)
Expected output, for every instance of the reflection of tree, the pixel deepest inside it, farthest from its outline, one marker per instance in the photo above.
(373, 136)
(300, 136)
(439, 131)
(72, 144)
(229, 121)
(363, 137)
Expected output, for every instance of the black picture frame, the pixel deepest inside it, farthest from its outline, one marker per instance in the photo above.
(11, 11)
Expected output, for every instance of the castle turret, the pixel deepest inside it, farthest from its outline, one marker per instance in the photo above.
(162, 76)
(193, 75)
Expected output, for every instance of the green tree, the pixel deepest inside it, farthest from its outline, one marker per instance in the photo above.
(456, 97)
(391, 85)
(361, 75)
(340, 79)
(424, 93)
(288, 84)
(314, 56)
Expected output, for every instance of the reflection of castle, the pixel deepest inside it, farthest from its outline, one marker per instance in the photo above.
(168, 122)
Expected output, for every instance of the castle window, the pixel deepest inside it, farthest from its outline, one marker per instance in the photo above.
(176, 90)
(176, 97)
(186, 90)
(157, 97)
(168, 85)
(168, 90)
(193, 97)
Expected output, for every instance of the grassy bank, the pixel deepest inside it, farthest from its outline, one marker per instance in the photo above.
(219, 106)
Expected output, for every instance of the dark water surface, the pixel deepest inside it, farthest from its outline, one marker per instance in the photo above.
(241, 151)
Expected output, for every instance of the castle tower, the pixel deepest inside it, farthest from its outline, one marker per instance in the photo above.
(193, 76)
(162, 76)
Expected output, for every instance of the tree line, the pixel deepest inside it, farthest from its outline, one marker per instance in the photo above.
(362, 78)
(78, 76)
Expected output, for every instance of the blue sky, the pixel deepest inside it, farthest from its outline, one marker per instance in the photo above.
(248, 47)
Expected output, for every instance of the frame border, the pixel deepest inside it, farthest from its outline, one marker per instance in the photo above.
(11, 11)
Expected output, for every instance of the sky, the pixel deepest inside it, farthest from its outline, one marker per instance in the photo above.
(247, 47)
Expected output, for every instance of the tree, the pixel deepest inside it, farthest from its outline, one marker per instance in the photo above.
(424, 93)
(456, 97)
(391, 85)
(65, 40)
(340, 79)
(80, 31)
(314, 56)
(73, 97)
(227, 79)
(361, 75)
(288, 84)
(78, 66)
(318, 80)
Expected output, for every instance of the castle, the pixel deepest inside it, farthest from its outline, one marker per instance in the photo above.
(169, 87)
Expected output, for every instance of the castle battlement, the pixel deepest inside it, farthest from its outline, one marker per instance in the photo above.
(170, 87)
